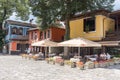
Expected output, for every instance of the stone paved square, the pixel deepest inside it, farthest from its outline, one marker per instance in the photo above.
(16, 68)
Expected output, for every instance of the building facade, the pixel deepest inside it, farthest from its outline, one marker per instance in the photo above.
(92, 27)
(55, 34)
(16, 39)
(100, 25)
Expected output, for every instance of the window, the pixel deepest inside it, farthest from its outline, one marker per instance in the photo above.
(14, 30)
(45, 35)
(18, 46)
(48, 33)
(89, 24)
(35, 35)
(31, 35)
(27, 32)
(41, 35)
(27, 45)
(20, 32)
(62, 38)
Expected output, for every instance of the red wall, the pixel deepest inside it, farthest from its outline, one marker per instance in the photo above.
(31, 40)
(13, 46)
(57, 34)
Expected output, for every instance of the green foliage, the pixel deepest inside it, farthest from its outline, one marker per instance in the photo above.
(2, 35)
(101, 4)
(48, 10)
(7, 7)
(117, 55)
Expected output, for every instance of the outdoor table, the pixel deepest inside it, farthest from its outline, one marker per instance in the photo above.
(93, 59)
(74, 59)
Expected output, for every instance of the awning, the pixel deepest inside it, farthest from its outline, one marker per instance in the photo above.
(109, 43)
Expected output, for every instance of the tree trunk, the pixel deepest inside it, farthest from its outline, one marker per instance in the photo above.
(0, 26)
(67, 18)
(67, 32)
(2, 35)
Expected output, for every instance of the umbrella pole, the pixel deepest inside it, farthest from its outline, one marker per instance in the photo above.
(49, 52)
(45, 51)
(78, 51)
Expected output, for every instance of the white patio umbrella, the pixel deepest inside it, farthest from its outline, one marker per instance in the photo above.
(79, 42)
(45, 43)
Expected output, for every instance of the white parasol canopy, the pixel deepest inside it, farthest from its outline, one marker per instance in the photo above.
(45, 43)
(79, 42)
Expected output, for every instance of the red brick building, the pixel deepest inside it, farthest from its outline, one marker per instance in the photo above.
(55, 34)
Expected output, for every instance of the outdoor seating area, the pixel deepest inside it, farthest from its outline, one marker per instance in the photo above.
(102, 60)
(74, 59)
(80, 64)
(37, 56)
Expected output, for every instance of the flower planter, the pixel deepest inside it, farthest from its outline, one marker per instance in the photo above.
(89, 65)
(67, 62)
(47, 60)
(116, 61)
(73, 64)
(101, 64)
(96, 64)
(50, 60)
(62, 63)
(111, 62)
(80, 65)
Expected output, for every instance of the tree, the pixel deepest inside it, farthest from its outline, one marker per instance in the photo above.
(2, 34)
(7, 7)
(48, 10)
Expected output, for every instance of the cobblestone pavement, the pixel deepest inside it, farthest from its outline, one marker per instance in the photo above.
(16, 68)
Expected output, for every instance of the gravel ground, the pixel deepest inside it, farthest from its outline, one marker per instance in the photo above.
(16, 68)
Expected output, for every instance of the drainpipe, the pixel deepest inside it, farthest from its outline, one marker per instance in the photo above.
(10, 48)
(103, 28)
(103, 47)
(116, 23)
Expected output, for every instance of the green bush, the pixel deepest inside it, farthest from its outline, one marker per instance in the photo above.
(117, 55)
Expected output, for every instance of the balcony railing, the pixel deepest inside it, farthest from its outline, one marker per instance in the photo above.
(112, 36)
(19, 37)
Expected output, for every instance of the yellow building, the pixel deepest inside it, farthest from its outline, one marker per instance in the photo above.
(101, 26)
(92, 27)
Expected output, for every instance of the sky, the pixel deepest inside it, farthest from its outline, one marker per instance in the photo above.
(13, 17)
(116, 7)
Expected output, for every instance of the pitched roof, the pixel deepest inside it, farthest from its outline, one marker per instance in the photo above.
(33, 29)
(21, 23)
(115, 13)
(37, 28)
(91, 13)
